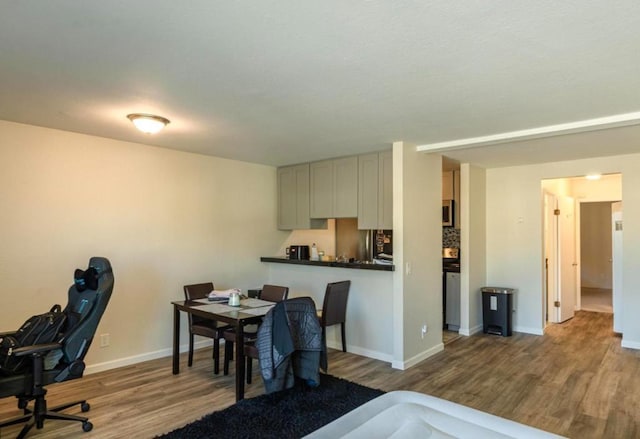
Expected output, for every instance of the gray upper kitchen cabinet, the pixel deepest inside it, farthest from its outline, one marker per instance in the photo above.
(293, 199)
(368, 169)
(334, 188)
(321, 189)
(385, 191)
(375, 191)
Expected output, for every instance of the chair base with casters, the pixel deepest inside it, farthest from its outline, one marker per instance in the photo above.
(40, 412)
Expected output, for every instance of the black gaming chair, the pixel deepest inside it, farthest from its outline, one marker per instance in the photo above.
(63, 360)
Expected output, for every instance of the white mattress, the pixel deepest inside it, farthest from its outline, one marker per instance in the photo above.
(403, 414)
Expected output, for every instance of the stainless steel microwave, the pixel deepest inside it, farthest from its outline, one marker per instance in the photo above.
(447, 213)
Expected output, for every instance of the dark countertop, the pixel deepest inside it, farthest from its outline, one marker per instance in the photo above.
(355, 265)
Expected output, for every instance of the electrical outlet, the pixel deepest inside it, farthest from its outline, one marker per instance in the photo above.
(104, 340)
(423, 330)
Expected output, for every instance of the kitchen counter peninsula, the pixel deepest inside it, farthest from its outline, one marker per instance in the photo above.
(370, 324)
(354, 265)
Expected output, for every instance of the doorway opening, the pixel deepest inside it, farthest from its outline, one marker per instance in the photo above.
(582, 247)
(596, 256)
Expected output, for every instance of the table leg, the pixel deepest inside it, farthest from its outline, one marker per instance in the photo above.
(176, 340)
(240, 362)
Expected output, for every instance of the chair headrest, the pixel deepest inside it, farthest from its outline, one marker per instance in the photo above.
(88, 279)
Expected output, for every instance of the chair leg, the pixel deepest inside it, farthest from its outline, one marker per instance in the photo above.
(344, 339)
(249, 370)
(216, 356)
(324, 343)
(228, 353)
(190, 363)
(40, 412)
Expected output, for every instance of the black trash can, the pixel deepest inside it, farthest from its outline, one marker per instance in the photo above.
(497, 310)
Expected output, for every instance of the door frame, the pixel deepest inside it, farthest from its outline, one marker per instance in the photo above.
(616, 266)
(549, 256)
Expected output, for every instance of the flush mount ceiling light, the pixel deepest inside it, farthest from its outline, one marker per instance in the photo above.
(148, 123)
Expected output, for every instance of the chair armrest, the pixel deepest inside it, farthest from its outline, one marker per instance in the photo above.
(36, 349)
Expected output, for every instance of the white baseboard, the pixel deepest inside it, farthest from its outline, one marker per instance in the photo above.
(360, 351)
(403, 365)
(630, 344)
(469, 332)
(128, 361)
(528, 330)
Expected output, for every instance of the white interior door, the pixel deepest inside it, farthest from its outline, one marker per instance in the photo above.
(616, 241)
(567, 273)
(550, 255)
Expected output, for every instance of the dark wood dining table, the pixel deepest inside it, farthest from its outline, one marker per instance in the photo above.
(250, 311)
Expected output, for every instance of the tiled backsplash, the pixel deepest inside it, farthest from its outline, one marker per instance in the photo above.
(450, 237)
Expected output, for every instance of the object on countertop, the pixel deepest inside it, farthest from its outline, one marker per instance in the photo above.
(299, 252)
(314, 253)
(221, 295)
(234, 298)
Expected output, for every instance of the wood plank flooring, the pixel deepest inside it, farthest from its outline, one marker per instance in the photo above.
(575, 381)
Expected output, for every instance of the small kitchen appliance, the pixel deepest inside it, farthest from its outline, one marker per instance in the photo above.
(299, 252)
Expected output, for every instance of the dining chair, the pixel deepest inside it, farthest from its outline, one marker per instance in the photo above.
(290, 344)
(250, 352)
(334, 308)
(270, 293)
(204, 327)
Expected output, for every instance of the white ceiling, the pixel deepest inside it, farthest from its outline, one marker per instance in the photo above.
(283, 81)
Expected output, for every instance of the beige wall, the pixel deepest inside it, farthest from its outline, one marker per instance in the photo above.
(473, 268)
(164, 219)
(417, 297)
(608, 188)
(325, 239)
(514, 235)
